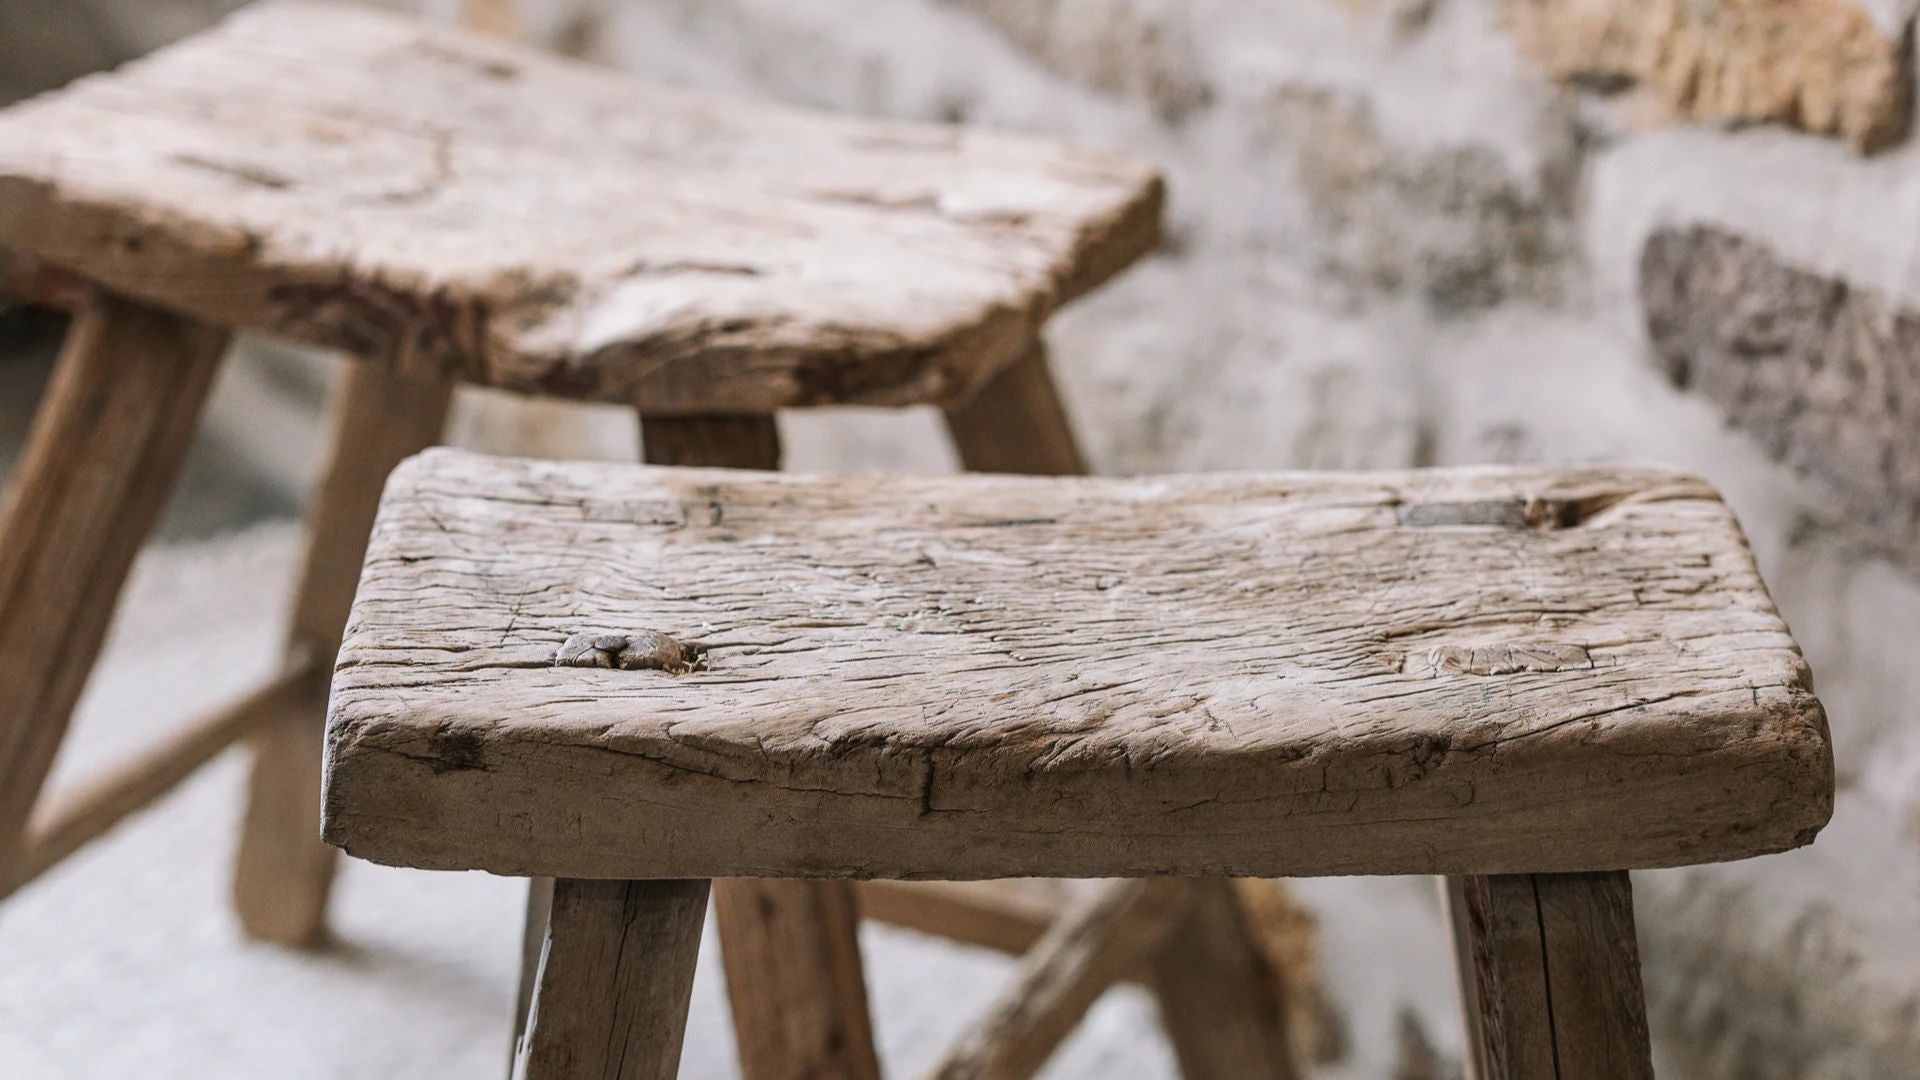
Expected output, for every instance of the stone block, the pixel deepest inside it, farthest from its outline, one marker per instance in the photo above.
(1135, 48)
(1825, 374)
(1826, 66)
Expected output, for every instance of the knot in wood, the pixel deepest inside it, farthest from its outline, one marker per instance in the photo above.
(644, 651)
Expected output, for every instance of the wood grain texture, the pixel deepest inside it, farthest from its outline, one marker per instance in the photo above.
(715, 442)
(283, 872)
(1221, 1000)
(1476, 670)
(1016, 424)
(1550, 974)
(795, 983)
(615, 978)
(104, 451)
(455, 206)
(1094, 944)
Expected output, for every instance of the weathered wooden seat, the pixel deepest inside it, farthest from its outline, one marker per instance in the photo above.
(452, 206)
(607, 672)
(450, 209)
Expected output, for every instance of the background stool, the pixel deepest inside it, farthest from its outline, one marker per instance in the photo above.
(633, 680)
(448, 209)
(778, 258)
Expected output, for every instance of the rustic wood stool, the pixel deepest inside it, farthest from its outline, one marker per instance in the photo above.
(636, 679)
(448, 209)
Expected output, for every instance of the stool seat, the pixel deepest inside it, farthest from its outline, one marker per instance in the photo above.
(591, 671)
(448, 205)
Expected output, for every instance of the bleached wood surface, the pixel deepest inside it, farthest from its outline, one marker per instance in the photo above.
(612, 982)
(1481, 670)
(1550, 977)
(448, 204)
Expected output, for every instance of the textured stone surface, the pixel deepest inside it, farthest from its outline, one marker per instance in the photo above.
(1134, 47)
(1490, 235)
(1826, 375)
(1822, 65)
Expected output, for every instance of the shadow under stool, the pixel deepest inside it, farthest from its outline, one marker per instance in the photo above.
(445, 209)
(634, 680)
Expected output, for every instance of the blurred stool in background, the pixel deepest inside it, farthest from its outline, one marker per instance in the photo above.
(447, 209)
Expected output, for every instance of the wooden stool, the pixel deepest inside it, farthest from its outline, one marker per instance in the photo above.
(634, 680)
(449, 209)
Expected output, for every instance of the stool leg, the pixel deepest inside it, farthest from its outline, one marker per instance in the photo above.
(1220, 1000)
(795, 981)
(105, 449)
(1016, 424)
(791, 948)
(283, 871)
(1550, 976)
(613, 980)
(533, 937)
(1096, 942)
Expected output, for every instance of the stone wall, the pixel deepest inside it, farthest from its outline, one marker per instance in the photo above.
(1415, 232)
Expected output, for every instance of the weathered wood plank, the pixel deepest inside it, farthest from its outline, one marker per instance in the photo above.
(104, 451)
(283, 872)
(1550, 975)
(1593, 973)
(533, 939)
(615, 978)
(451, 205)
(791, 948)
(1096, 943)
(1220, 999)
(1006, 915)
(1016, 424)
(1453, 670)
(795, 982)
(1466, 970)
